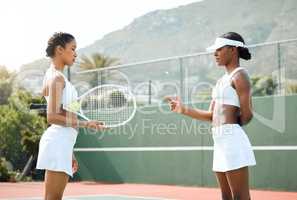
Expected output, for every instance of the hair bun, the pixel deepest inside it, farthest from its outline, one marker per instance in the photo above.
(57, 39)
(244, 53)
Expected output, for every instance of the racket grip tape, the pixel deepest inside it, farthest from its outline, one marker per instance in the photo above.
(35, 106)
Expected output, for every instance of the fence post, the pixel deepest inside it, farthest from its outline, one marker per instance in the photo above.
(150, 92)
(68, 74)
(101, 78)
(279, 68)
(182, 81)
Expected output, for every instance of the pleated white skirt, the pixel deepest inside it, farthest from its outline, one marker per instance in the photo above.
(232, 148)
(56, 149)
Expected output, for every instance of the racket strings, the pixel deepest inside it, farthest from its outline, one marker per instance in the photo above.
(110, 105)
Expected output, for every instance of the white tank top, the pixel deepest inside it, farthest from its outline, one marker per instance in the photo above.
(224, 93)
(69, 92)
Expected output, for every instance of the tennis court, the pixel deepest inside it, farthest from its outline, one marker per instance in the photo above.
(107, 191)
(101, 197)
(160, 155)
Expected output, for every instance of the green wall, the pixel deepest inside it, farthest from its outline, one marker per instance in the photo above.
(157, 127)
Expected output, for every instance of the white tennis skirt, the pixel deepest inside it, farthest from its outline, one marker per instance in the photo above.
(56, 149)
(232, 148)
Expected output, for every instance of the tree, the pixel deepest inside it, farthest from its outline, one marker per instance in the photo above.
(97, 61)
(4, 73)
(6, 85)
(263, 86)
(20, 130)
(4, 170)
(291, 87)
(32, 125)
(10, 136)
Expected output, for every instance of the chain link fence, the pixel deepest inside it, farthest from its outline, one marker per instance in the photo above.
(273, 71)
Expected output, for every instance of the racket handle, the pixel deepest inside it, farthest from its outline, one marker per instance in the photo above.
(35, 106)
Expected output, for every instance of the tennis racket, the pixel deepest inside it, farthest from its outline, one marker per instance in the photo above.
(113, 105)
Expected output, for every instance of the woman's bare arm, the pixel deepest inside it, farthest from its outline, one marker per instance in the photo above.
(243, 88)
(55, 113)
(204, 115)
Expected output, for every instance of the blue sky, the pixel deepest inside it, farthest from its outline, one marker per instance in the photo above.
(27, 25)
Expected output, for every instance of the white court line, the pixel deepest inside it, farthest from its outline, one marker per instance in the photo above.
(180, 148)
(101, 195)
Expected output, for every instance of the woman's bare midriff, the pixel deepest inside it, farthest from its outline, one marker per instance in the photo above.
(225, 114)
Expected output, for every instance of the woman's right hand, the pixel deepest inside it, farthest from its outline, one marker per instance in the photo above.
(175, 104)
(95, 125)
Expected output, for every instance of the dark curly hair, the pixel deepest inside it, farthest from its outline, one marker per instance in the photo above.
(57, 39)
(242, 51)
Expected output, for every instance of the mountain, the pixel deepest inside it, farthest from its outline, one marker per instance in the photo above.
(191, 28)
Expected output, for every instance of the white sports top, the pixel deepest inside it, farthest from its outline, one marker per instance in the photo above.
(69, 92)
(223, 92)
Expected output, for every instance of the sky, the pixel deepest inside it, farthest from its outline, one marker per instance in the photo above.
(26, 25)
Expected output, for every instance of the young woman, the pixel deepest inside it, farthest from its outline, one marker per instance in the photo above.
(230, 108)
(56, 144)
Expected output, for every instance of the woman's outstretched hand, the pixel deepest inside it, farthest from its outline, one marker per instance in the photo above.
(175, 104)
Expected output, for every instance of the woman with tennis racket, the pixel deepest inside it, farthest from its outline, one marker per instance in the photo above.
(56, 145)
(230, 108)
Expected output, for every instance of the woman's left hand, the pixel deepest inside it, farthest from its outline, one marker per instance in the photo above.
(74, 165)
